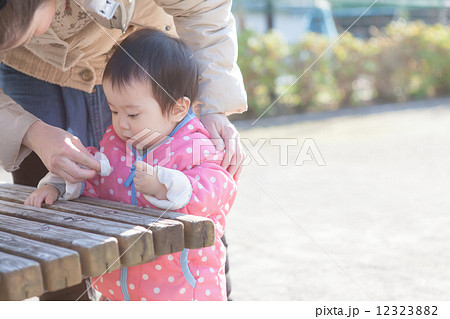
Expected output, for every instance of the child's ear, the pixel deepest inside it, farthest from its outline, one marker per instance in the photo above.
(180, 109)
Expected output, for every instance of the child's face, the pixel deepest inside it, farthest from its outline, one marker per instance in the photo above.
(136, 113)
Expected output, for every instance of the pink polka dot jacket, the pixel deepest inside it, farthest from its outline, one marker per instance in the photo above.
(189, 166)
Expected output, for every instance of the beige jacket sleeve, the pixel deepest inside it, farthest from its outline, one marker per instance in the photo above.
(209, 28)
(14, 123)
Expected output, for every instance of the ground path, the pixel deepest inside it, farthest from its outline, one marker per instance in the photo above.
(373, 222)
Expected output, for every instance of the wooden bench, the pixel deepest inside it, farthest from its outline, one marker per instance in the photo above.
(51, 248)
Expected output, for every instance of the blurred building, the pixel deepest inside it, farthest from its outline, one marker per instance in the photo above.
(294, 18)
(345, 12)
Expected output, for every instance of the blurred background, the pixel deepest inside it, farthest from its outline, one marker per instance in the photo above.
(373, 222)
(394, 51)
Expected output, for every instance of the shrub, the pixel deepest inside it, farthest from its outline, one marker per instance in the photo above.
(311, 65)
(261, 59)
(405, 61)
(353, 68)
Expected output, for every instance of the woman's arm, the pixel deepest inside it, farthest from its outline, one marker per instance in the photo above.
(21, 133)
(208, 27)
(61, 152)
(14, 124)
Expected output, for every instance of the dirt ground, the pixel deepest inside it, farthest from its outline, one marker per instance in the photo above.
(371, 223)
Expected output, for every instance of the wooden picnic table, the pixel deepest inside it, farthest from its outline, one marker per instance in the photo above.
(51, 248)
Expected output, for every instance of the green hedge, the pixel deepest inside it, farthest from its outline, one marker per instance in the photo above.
(405, 61)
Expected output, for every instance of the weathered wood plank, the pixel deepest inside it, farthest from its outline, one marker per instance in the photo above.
(135, 242)
(61, 267)
(20, 278)
(198, 231)
(168, 236)
(97, 253)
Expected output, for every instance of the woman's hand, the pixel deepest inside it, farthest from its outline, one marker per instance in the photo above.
(47, 194)
(225, 136)
(61, 152)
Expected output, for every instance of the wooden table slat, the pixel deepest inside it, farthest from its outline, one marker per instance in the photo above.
(20, 278)
(135, 242)
(61, 267)
(97, 253)
(44, 246)
(168, 235)
(198, 231)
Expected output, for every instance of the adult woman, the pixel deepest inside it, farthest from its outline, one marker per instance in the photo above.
(53, 54)
(60, 44)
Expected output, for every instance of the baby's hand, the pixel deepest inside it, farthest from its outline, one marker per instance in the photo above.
(47, 193)
(146, 181)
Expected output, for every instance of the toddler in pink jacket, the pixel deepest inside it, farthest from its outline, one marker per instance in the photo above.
(157, 154)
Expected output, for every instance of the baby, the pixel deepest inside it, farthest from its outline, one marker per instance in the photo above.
(157, 154)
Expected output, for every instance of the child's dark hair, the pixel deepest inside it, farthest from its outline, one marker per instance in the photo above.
(165, 63)
(15, 19)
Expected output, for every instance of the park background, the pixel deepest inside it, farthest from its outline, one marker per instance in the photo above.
(369, 83)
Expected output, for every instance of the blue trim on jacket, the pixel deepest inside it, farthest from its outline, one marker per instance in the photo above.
(185, 268)
(129, 182)
(123, 284)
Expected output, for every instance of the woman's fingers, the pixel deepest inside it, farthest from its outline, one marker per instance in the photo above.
(224, 134)
(235, 167)
(61, 152)
(71, 172)
(80, 155)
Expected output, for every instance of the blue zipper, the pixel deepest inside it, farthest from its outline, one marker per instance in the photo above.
(130, 183)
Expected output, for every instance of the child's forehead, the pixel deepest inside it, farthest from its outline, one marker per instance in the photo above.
(132, 106)
(126, 106)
